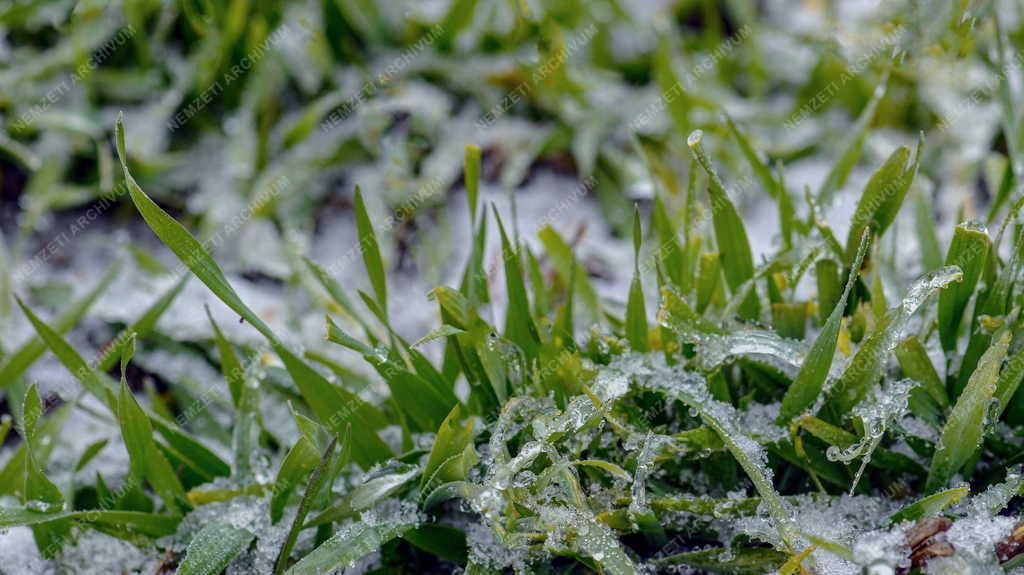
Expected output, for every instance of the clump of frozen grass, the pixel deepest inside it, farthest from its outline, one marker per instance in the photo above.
(785, 412)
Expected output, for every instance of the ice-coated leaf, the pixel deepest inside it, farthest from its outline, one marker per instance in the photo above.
(352, 542)
(213, 548)
(966, 423)
(692, 389)
(742, 561)
(864, 370)
(387, 482)
(590, 538)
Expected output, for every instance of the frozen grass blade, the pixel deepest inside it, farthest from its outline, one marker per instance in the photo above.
(452, 455)
(213, 548)
(865, 369)
(349, 544)
(966, 424)
(929, 506)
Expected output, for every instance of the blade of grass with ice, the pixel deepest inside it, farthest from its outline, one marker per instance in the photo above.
(213, 548)
(866, 367)
(928, 506)
(966, 423)
(349, 544)
(452, 455)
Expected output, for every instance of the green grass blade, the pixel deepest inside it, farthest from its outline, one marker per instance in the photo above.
(519, 326)
(927, 237)
(301, 459)
(347, 545)
(636, 312)
(315, 484)
(1009, 380)
(882, 197)
(928, 506)
(471, 175)
(968, 250)
(836, 177)
(562, 258)
(149, 524)
(22, 358)
(451, 456)
(142, 326)
(760, 168)
(810, 380)
(966, 424)
(830, 289)
(92, 382)
(370, 249)
(929, 400)
(669, 251)
(865, 368)
(213, 548)
(192, 253)
(146, 460)
(332, 405)
(230, 366)
(733, 245)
